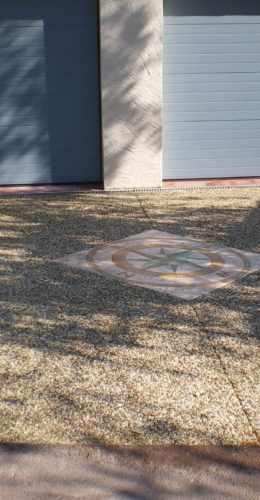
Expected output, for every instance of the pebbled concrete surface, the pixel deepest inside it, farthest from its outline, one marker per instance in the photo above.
(86, 360)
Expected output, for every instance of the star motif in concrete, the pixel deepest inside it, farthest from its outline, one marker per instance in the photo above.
(167, 263)
(174, 261)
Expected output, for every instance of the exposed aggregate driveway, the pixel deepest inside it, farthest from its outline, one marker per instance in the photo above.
(85, 359)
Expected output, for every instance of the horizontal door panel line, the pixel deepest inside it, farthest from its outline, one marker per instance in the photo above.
(180, 37)
(178, 103)
(200, 132)
(40, 37)
(230, 120)
(226, 53)
(45, 96)
(211, 161)
(211, 73)
(191, 108)
(47, 140)
(208, 21)
(60, 167)
(225, 102)
(215, 92)
(61, 29)
(255, 82)
(54, 162)
(179, 175)
(192, 33)
(56, 74)
(208, 53)
(85, 59)
(210, 31)
(196, 58)
(219, 167)
(50, 126)
(46, 45)
(37, 106)
(210, 76)
(213, 140)
(170, 44)
(41, 65)
(212, 157)
(43, 25)
(228, 19)
(44, 118)
(167, 54)
(52, 123)
(46, 91)
(189, 148)
(49, 144)
(207, 121)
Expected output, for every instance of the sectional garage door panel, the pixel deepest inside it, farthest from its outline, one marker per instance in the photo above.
(49, 92)
(211, 90)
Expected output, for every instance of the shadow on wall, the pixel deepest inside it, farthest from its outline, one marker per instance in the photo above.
(24, 132)
(49, 99)
(131, 66)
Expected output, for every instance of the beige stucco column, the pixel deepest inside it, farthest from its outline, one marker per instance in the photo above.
(131, 92)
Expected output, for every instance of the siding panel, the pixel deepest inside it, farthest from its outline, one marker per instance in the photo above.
(49, 92)
(211, 88)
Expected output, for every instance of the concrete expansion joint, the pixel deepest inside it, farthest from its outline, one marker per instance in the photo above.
(225, 372)
(145, 212)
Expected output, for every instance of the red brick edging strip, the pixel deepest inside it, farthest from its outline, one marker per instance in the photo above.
(201, 183)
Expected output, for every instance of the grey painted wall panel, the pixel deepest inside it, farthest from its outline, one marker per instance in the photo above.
(213, 126)
(208, 154)
(216, 144)
(212, 67)
(219, 48)
(207, 19)
(211, 87)
(173, 59)
(49, 92)
(215, 106)
(187, 116)
(217, 39)
(211, 78)
(220, 97)
(200, 135)
(218, 27)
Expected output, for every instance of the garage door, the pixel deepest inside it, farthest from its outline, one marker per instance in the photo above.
(49, 92)
(211, 86)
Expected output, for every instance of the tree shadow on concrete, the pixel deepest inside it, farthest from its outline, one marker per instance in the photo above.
(60, 325)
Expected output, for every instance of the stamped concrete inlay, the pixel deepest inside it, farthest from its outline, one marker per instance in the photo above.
(168, 263)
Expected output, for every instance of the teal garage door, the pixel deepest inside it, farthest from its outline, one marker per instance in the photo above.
(49, 92)
(211, 89)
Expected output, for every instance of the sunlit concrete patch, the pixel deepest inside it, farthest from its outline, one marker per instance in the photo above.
(168, 263)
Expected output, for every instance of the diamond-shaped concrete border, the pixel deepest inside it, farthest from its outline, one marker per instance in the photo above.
(168, 263)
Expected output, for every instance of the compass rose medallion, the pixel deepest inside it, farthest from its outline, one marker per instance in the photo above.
(167, 263)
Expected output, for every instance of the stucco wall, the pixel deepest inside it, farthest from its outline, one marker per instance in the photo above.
(131, 92)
